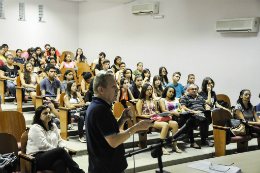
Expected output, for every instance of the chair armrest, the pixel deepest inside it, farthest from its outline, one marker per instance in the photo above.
(26, 157)
(65, 109)
(72, 152)
(2, 79)
(40, 97)
(220, 127)
(20, 88)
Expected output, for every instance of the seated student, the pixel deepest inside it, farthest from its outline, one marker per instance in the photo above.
(99, 66)
(2, 54)
(163, 74)
(101, 55)
(28, 53)
(120, 72)
(29, 80)
(44, 55)
(52, 52)
(208, 94)
(39, 60)
(157, 85)
(105, 67)
(31, 59)
(191, 80)
(47, 48)
(68, 76)
(46, 145)
(146, 75)
(115, 67)
(245, 110)
(124, 91)
(67, 62)
(10, 73)
(137, 87)
(6, 49)
(170, 104)
(80, 57)
(44, 74)
(87, 76)
(19, 58)
(194, 102)
(139, 69)
(177, 86)
(127, 73)
(50, 87)
(53, 61)
(146, 109)
(90, 93)
(73, 99)
(1, 63)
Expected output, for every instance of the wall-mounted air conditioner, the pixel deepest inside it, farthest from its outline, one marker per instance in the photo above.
(238, 25)
(152, 8)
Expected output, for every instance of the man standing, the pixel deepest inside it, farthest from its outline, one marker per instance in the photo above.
(178, 86)
(197, 104)
(104, 140)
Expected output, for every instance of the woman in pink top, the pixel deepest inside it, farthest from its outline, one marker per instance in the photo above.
(28, 53)
(67, 62)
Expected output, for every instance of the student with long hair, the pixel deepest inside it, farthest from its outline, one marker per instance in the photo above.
(146, 109)
(67, 62)
(191, 80)
(95, 62)
(32, 60)
(73, 99)
(30, 80)
(137, 87)
(90, 93)
(80, 57)
(19, 58)
(28, 53)
(87, 76)
(170, 104)
(127, 73)
(157, 85)
(52, 52)
(115, 66)
(163, 74)
(124, 91)
(208, 94)
(245, 110)
(38, 58)
(68, 76)
(46, 145)
(99, 66)
(146, 75)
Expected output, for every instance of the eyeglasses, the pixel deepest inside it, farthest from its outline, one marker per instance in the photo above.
(216, 167)
(194, 89)
(247, 95)
(46, 113)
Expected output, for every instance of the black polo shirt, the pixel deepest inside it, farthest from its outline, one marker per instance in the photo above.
(100, 122)
(191, 103)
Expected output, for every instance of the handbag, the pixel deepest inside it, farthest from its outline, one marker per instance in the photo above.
(237, 128)
(199, 116)
(29, 89)
(8, 163)
(161, 118)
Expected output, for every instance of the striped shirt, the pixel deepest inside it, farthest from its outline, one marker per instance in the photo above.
(191, 103)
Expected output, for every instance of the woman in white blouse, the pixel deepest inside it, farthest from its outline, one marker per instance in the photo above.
(45, 144)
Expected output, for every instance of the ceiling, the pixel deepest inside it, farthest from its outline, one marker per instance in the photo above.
(108, 1)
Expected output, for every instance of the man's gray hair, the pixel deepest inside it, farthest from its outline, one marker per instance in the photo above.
(191, 85)
(101, 81)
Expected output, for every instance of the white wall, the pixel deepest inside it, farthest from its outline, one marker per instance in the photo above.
(183, 41)
(60, 29)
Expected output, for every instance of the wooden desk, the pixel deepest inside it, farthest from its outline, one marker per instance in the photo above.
(248, 162)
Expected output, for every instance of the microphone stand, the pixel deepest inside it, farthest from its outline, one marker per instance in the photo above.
(157, 151)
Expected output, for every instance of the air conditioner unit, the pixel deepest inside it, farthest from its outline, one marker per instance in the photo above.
(238, 25)
(152, 8)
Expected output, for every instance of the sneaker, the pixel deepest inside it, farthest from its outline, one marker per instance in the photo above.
(70, 126)
(15, 102)
(83, 140)
(208, 143)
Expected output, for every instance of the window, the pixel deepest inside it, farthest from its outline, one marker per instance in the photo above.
(21, 11)
(41, 19)
(2, 15)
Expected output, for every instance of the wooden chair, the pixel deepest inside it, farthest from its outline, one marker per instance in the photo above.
(12, 52)
(28, 162)
(221, 134)
(19, 95)
(83, 65)
(39, 98)
(63, 118)
(92, 67)
(63, 55)
(8, 144)
(2, 89)
(20, 65)
(81, 70)
(225, 98)
(12, 122)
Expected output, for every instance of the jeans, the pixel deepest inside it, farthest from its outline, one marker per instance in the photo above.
(11, 87)
(204, 126)
(80, 126)
(57, 160)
